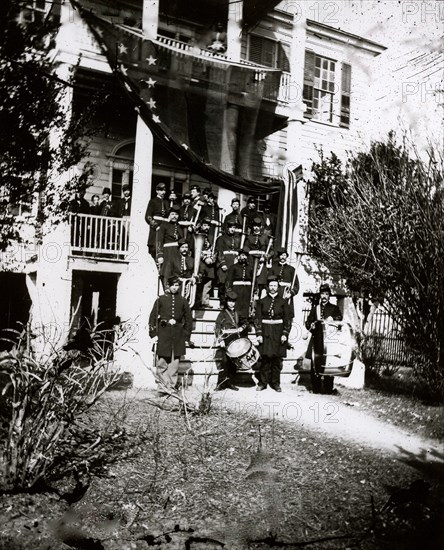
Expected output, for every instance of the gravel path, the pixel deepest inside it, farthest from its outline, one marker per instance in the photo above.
(332, 416)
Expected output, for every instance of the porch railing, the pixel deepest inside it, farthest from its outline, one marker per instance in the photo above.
(277, 88)
(93, 235)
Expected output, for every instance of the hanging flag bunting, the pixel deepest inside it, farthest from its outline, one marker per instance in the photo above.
(202, 108)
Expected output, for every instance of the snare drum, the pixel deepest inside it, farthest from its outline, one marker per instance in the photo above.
(243, 354)
(333, 349)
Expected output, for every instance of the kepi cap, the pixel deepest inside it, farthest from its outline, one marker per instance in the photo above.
(173, 279)
(160, 186)
(325, 288)
(231, 295)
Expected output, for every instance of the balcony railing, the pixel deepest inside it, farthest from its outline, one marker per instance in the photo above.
(99, 235)
(262, 77)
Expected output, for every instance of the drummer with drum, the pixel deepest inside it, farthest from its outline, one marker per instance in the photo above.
(230, 327)
(273, 324)
(323, 311)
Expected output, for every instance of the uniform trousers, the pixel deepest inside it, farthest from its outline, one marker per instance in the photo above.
(270, 371)
(167, 369)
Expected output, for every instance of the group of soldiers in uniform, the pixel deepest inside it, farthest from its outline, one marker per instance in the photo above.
(255, 282)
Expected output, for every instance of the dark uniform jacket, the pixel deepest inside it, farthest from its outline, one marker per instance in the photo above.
(235, 217)
(172, 338)
(243, 274)
(181, 266)
(276, 310)
(284, 274)
(227, 247)
(187, 213)
(122, 207)
(318, 313)
(258, 243)
(157, 208)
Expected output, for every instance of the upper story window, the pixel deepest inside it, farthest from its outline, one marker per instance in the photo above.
(33, 11)
(122, 169)
(326, 90)
(267, 52)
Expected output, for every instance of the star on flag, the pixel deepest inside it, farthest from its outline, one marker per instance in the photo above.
(151, 60)
(152, 103)
(150, 82)
(156, 119)
(124, 70)
(122, 48)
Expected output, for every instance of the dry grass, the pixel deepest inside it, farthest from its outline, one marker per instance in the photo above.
(232, 480)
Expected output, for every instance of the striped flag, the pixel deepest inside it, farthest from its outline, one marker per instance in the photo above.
(291, 207)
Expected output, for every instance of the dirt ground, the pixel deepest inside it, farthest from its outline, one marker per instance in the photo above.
(261, 470)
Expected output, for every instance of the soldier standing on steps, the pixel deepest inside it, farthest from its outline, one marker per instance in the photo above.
(273, 325)
(229, 326)
(170, 325)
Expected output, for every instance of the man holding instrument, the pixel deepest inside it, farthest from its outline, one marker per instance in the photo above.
(286, 277)
(170, 326)
(229, 327)
(239, 279)
(326, 311)
(227, 249)
(156, 212)
(273, 324)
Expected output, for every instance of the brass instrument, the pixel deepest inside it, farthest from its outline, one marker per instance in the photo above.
(252, 307)
(199, 240)
(267, 252)
(244, 232)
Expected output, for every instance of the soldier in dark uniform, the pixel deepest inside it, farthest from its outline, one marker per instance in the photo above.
(269, 220)
(273, 325)
(156, 212)
(207, 271)
(229, 326)
(249, 212)
(211, 211)
(168, 237)
(181, 264)
(285, 275)
(257, 245)
(239, 279)
(234, 216)
(170, 324)
(327, 311)
(227, 249)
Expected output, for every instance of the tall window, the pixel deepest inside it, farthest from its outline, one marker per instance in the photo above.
(326, 90)
(269, 53)
(122, 169)
(34, 10)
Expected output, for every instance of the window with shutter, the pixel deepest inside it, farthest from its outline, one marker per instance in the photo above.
(307, 94)
(345, 95)
(321, 87)
(262, 51)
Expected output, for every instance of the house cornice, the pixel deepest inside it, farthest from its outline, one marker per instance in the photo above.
(325, 31)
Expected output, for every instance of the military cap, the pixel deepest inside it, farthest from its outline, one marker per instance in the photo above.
(251, 199)
(281, 250)
(106, 191)
(324, 288)
(160, 186)
(195, 187)
(257, 221)
(206, 220)
(231, 296)
(186, 196)
(173, 279)
(235, 200)
(181, 242)
(272, 279)
(175, 208)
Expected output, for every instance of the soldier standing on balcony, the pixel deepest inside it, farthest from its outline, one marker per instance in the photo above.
(156, 213)
(169, 234)
(170, 326)
(106, 206)
(123, 205)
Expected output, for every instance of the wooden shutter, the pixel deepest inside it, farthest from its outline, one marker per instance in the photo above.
(309, 72)
(262, 50)
(283, 61)
(345, 95)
